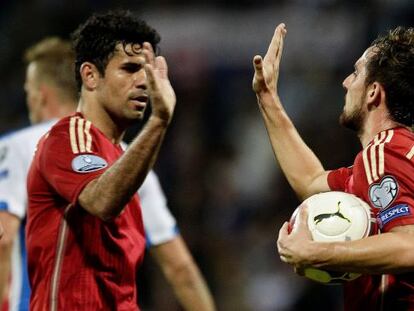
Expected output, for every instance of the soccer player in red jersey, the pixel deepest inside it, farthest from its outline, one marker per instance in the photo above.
(85, 236)
(379, 106)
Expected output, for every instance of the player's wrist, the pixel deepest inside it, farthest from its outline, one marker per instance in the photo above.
(163, 119)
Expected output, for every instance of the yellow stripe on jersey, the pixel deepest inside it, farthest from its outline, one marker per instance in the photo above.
(88, 136)
(377, 142)
(72, 135)
(381, 152)
(410, 154)
(369, 156)
(81, 136)
(366, 165)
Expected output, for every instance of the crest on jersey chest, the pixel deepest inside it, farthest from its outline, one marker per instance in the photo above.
(383, 193)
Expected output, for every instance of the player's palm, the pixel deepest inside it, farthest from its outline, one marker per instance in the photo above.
(265, 79)
(267, 70)
(160, 89)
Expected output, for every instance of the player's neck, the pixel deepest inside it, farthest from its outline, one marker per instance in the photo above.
(374, 125)
(101, 120)
(58, 110)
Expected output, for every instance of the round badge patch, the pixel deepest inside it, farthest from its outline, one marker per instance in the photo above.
(86, 163)
(383, 193)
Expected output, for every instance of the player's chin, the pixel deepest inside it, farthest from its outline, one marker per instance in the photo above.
(140, 114)
(137, 112)
(136, 116)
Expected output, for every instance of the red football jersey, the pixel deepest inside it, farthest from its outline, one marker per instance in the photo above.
(77, 261)
(383, 176)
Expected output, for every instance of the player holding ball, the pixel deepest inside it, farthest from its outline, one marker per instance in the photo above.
(379, 106)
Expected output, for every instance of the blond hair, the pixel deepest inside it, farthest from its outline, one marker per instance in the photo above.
(55, 62)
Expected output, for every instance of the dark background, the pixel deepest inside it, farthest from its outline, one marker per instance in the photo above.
(216, 165)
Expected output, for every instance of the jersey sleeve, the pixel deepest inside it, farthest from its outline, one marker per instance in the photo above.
(13, 197)
(337, 179)
(160, 226)
(392, 194)
(67, 169)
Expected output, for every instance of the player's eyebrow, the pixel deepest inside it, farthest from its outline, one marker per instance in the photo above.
(357, 65)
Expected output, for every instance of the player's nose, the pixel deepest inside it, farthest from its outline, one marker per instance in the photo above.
(140, 80)
(345, 83)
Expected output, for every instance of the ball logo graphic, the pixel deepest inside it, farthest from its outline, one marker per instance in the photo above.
(332, 223)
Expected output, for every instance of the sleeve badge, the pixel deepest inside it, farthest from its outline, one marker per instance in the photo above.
(86, 163)
(382, 194)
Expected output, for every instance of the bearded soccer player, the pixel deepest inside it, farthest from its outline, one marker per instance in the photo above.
(85, 235)
(379, 106)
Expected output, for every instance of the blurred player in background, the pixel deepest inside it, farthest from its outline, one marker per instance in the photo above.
(50, 74)
(51, 93)
(84, 233)
(379, 106)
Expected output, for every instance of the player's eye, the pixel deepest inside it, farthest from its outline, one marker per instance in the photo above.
(131, 67)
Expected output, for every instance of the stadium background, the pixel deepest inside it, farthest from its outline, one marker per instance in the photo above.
(216, 165)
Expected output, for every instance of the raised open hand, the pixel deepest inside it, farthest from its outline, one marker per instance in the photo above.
(159, 87)
(266, 71)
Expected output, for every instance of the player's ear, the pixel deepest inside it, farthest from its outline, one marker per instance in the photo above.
(43, 95)
(90, 75)
(375, 93)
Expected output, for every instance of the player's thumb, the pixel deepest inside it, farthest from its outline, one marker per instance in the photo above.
(258, 63)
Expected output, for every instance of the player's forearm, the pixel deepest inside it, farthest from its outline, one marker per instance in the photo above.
(183, 275)
(296, 159)
(379, 254)
(11, 226)
(106, 196)
(191, 289)
(5, 268)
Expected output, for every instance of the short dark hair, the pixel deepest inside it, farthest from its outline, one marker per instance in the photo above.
(55, 62)
(392, 65)
(95, 40)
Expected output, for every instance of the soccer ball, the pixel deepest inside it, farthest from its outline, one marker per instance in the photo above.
(335, 216)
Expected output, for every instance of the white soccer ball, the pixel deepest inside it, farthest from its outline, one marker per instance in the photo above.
(335, 216)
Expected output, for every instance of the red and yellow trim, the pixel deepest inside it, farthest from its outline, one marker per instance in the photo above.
(80, 136)
(373, 156)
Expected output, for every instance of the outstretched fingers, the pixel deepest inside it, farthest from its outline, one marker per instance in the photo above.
(148, 52)
(276, 45)
(151, 79)
(281, 42)
(162, 67)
